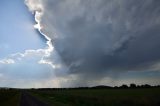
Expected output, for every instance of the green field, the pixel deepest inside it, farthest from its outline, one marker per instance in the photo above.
(9, 97)
(85, 97)
(100, 97)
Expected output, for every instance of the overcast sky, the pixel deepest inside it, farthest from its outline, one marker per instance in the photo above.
(68, 43)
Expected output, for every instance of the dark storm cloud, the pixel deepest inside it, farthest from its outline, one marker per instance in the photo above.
(96, 36)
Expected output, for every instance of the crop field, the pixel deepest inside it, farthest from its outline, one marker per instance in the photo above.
(81, 97)
(9, 97)
(100, 97)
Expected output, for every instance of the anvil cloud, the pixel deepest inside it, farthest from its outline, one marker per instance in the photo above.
(100, 38)
(85, 43)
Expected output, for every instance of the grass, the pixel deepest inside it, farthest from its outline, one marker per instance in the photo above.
(87, 97)
(9, 97)
(101, 97)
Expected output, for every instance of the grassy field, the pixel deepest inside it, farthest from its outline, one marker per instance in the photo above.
(100, 97)
(9, 97)
(86, 97)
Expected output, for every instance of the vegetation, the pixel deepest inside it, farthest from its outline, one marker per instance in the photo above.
(9, 97)
(132, 95)
(100, 97)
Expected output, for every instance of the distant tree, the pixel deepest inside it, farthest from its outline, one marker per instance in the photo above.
(147, 86)
(138, 86)
(158, 85)
(101, 87)
(115, 86)
(133, 85)
(124, 86)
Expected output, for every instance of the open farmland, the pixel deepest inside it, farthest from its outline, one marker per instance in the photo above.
(81, 97)
(100, 97)
(9, 97)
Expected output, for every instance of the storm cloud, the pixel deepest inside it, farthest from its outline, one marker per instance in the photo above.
(98, 38)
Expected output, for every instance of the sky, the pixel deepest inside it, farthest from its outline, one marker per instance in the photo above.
(72, 43)
(16, 30)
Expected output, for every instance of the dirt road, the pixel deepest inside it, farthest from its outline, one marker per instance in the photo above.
(29, 100)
